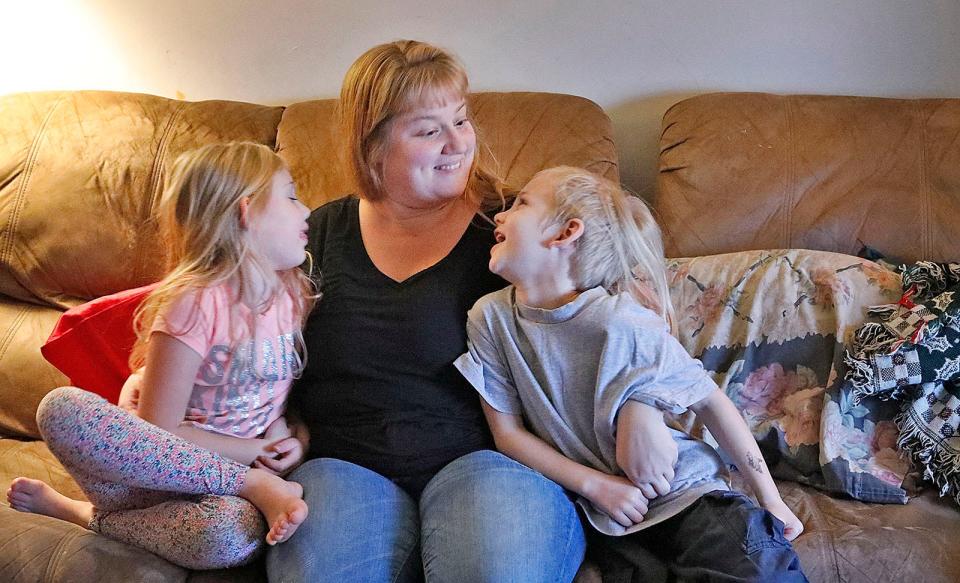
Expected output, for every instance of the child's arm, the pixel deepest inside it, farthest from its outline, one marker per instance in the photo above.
(722, 418)
(646, 452)
(171, 367)
(614, 495)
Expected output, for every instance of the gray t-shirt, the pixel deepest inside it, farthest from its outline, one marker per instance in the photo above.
(569, 370)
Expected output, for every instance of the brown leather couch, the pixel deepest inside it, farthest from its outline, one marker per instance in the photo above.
(79, 175)
(80, 171)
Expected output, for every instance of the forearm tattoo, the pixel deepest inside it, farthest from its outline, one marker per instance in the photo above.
(754, 463)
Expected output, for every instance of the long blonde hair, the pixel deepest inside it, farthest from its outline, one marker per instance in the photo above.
(199, 216)
(386, 81)
(621, 248)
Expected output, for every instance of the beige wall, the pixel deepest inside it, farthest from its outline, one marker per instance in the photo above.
(633, 57)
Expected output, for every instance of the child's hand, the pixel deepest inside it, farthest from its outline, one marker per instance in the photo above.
(288, 453)
(619, 499)
(646, 452)
(129, 398)
(792, 527)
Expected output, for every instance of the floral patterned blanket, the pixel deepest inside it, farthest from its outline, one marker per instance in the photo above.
(912, 355)
(771, 326)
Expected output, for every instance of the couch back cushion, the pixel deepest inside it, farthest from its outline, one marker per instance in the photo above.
(81, 172)
(743, 171)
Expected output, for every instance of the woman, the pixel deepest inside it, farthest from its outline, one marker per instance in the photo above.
(403, 483)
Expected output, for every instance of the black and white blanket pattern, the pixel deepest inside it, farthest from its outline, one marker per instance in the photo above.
(913, 356)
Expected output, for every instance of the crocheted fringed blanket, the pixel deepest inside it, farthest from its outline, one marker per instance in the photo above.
(913, 356)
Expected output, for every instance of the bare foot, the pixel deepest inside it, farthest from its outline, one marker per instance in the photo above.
(28, 495)
(280, 501)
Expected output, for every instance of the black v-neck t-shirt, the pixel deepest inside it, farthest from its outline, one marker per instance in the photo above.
(380, 389)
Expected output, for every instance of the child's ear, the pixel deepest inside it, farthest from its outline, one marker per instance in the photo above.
(570, 232)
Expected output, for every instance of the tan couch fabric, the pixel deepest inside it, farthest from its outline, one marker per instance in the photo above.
(755, 171)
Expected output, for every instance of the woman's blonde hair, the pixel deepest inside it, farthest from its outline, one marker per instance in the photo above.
(207, 243)
(387, 81)
(621, 247)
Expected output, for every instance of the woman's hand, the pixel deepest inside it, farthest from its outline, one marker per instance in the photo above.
(618, 498)
(792, 527)
(646, 452)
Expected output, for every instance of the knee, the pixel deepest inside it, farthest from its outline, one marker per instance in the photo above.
(59, 410)
(487, 480)
(369, 520)
(500, 520)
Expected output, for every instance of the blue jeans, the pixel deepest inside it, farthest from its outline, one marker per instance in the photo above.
(483, 517)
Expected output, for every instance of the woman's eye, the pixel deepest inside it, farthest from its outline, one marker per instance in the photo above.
(462, 122)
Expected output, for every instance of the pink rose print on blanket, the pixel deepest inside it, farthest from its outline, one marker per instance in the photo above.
(709, 304)
(881, 276)
(765, 388)
(871, 450)
(677, 272)
(801, 416)
(828, 288)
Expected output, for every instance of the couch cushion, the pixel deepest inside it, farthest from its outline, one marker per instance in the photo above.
(80, 173)
(854, 542)
(25, 377)
(756, 171)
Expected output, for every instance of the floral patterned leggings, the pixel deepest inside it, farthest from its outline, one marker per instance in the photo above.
(149, 487)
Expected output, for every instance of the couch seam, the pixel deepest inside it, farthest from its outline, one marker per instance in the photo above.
(21, 195)
(54, 564)
(926, 245)
(790, 194)
(156, 171)
(11, 331)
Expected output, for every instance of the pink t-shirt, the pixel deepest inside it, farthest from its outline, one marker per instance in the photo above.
(241, 388)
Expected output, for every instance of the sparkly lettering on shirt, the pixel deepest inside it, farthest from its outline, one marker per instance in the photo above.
(237, 392)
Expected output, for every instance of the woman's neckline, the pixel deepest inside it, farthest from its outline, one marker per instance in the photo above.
(425, 234)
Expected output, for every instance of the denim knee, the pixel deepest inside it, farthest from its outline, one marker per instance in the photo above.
(486, 517)
(361, 527)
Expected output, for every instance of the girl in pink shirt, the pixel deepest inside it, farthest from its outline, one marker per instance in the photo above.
(188, 471)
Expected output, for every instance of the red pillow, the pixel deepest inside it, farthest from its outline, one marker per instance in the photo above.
(91, 343)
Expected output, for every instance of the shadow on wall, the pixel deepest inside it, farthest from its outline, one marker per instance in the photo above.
(636, 131)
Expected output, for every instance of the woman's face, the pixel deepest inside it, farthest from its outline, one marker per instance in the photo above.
(428, 154)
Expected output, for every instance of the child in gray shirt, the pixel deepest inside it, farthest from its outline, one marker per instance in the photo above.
(582, 336)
